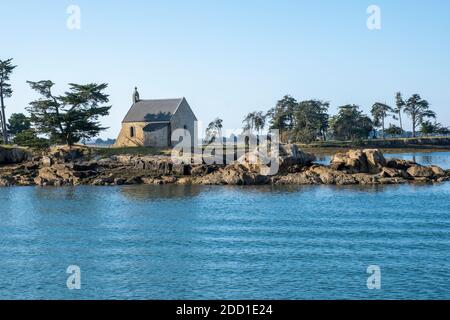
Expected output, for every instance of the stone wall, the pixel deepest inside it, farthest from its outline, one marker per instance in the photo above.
(125, 140)
(157, 138)
(183, 117)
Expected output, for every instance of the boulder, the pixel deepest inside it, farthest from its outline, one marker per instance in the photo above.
(353, 161)
(375, 160)
(400, 164)
(203, 169)
(299, 178)
(291, 159)
(393, 173)
(290, 153)
(14, 155)
(56, 175)
(4, 182)
(233, 174)
(359, 161)
(63, 154)
(46, 161)
(420, 172)
(438, 172)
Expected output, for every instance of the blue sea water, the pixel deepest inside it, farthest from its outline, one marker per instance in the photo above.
(200, 242)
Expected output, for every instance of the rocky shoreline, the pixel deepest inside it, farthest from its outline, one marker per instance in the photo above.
(63, 166)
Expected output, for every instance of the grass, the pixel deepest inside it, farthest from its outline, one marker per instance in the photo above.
(141, 151)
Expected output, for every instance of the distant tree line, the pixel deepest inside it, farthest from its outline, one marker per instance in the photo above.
(309, 121)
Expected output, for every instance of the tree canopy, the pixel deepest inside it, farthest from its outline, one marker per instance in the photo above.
(311, 120)
(417, 109)
(17, 123)
(70, 117)
(380, 112)
(350, 124)
(6, 69)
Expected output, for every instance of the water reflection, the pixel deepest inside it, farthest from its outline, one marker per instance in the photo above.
(158, 192)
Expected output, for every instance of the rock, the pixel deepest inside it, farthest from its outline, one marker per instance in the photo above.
(359, 161)
(290, 159)
(422, 180)
(4, 182)
(366, 179)
(290, 154)
(46, 161)
(300, 178)
(400, 164)
(64, 154)
(201, 170)
(184, 180)
(393, 173)
(234, 174)
(181, 169)
(393, 180)
(375, 160)
(443, 179)
(57, 175)
(14, 155)
(438, 172)
(123, 159)
(119, 181)
(420, 172)
(102, 181)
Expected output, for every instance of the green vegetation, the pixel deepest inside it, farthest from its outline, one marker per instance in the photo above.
(380, 112)
(214, 130)
(309, 121)
(6, 68)
(29, 138)
(71, 117)
(17, 123)
(417, 109)
(350, 124)
(142, 151)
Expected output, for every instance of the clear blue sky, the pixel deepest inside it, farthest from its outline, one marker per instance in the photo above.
(232, 57)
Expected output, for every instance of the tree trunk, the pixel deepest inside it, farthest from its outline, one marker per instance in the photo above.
(5, 134)
(400, 118)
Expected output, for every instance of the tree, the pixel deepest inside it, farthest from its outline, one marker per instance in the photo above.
(350, 123)
(379, 112)
(214, 130)
(282, 116)
(6, 68)
(311, 120)
(418, 110)
(394, 130)
(399, 105)
(29, 138)
(428, 127)
(259, 121)
(254, 120)
(71, 117)
(17, 123)
(249, 122)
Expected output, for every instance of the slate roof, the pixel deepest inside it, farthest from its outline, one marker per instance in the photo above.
(160, 110)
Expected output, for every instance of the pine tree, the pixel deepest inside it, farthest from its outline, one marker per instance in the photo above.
(71, 117)
(6, 68)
